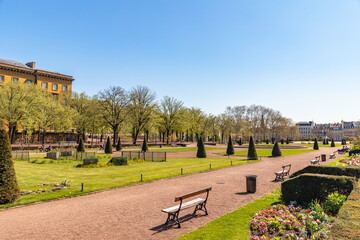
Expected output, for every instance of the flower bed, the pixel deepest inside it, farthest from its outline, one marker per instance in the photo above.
(354, 161)
(290, 222)
(55, 187)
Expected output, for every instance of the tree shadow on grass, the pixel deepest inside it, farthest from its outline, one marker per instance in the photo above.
(172, 225)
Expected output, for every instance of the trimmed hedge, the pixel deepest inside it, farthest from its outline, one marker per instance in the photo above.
(9, 188)
(330, 170)
(81, 146)
(108, 148)
(252, 155)
(354, 151)
(276, 152)
(201, 153)
(308, 187)
(347, 223)
(230, 147)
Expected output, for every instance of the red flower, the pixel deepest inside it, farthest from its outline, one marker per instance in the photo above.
(308, 211)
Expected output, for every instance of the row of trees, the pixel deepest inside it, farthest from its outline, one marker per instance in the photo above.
(30, 108)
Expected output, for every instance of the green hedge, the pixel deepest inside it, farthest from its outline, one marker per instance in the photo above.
(330, 170)
(347, 224)
(307, 187)
(354, 151)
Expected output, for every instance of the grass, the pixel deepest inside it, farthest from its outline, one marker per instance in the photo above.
(267, 152)
(179, 149)
(234, 225)
(347, 224)
(322, 145)
(29, 175)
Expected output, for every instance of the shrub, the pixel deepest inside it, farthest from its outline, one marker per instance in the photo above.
(347, 224)
(267, 141)
(252, 155)
(201, 153)
(9, 189)
(239, 142)
(118, 161)
(81, 147)
(324, 141)
(282, 141)
(144, 147)
(343, 142)
(308, 187)
(118, 145)
(276, 152)
(230, 147)
(334, 202)
(332, 143)
(287, 141)
(316, 145)
(108, 148)
(330, 170)
(272, 140)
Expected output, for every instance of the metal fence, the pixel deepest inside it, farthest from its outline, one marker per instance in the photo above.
(146, 156)
(21, 155)
(84, 155)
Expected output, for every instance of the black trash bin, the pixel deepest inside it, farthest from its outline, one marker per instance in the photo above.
(251, 183)
(323, 157)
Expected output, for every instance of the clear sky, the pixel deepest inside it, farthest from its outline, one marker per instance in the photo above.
(301, 57)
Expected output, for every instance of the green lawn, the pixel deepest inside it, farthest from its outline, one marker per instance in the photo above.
(180, 149)
(234, 225)
(267, 152)
(29, 175)
(322, 145)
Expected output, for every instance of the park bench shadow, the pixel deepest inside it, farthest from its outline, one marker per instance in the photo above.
(165, 227)
(243, 193)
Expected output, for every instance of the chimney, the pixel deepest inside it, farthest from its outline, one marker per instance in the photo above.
(31, 64)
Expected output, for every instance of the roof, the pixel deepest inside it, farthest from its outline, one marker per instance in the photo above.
(13, 63)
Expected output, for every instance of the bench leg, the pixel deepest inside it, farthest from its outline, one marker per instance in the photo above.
(173, 217)
(201, 207)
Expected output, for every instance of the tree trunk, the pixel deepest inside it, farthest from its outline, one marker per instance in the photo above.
(43, 138)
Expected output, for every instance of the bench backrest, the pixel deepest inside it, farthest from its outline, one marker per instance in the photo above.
(192, 194)
(286, 166)
(317, 158)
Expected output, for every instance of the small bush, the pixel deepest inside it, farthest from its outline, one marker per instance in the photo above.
(201, 153)
(334, 202)
(316, 145)
(332, 143)
(307, 187)
(118, 145)
(144, 147)
(282, 141)
(230, 147)
(276, 152)
(81, 146)
(118, 161)
(9, 188)
(108, 147)
(252, 155)
(100, 164)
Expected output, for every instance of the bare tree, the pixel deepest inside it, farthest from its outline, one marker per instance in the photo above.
(142, 103)
(170, 114)
(114, 107)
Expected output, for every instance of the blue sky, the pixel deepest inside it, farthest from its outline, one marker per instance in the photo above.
(300, 57)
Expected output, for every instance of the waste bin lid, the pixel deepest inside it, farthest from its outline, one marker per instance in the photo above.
(251, 176)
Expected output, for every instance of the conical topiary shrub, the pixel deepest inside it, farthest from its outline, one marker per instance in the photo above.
(108, 147)
(287, 141)
(332, 143)
(230, 147)
(343, 142)
(9, 188)
(272, 140)
(201, 153)
(324, 141)
(118, 145)
(276, 152)
(282, 141)
(316, 145)
(81, 147)
(267, 141)
(144, 147)
(240, 142)
(252, 155)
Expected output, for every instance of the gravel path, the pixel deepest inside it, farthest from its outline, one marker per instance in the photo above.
(134, 212)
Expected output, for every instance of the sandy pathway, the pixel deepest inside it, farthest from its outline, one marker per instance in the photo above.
(134, 212)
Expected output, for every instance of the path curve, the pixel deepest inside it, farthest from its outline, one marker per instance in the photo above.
(134, 212)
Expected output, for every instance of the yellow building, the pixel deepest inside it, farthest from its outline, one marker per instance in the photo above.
(27, 73)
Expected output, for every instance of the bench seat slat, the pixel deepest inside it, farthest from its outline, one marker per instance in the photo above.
(184, 205)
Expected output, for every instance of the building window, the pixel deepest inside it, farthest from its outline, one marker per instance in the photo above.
(28, 82)
(15, 80)
(55, 87)
(64, 88)
(1, 78)
(45, 85)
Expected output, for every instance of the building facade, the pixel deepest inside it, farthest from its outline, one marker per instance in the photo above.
(336, 131)
(56, 83)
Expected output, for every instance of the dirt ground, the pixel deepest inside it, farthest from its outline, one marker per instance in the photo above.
(135, 212)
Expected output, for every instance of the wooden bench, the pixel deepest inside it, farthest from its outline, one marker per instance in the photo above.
(332, 155)
(199, 203)
(315, 161)
(281, 174)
